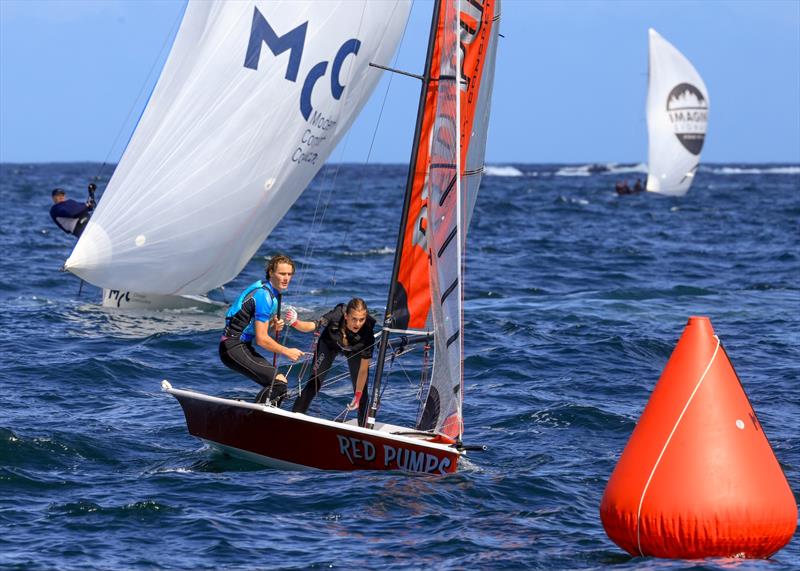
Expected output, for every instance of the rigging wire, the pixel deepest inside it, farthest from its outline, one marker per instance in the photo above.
(335, 380)
(318, 218)
(329, 181)
(160, 57)
(377, 123)
(316, 224)
(308, 253)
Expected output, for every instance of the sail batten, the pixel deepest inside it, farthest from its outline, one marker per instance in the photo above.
(253, 98)
(677, 118)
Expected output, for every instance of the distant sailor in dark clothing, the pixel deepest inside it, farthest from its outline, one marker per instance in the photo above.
(248, 320)
(70, 215)
(347, 330)
(623, 188)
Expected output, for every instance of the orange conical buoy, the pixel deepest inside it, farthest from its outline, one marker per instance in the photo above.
(698, 477)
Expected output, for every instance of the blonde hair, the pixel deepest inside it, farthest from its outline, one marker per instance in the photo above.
(356, 304)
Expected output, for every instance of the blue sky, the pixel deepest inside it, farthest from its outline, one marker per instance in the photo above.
(570, 83)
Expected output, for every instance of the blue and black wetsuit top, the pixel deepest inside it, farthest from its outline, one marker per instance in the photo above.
(258, 302)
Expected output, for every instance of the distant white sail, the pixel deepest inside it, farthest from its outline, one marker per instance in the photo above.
(252, 100)
(677, 115)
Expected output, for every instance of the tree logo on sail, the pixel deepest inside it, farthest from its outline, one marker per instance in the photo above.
(688, 112)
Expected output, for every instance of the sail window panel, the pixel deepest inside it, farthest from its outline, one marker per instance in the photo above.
(443, 224)
(452, 201)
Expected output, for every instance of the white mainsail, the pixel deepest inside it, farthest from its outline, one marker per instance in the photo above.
(253, 98)
(677, 115)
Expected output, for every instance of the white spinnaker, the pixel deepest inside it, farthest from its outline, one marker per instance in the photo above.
(677, 115)
(223, 150)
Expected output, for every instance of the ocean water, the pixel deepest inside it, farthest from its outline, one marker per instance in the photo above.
(575, 299)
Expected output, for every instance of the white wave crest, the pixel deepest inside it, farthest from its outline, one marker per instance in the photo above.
(506, 170)
(601, 168)
(582, 170)
(374, 251)
(756, 170)
(617, 169)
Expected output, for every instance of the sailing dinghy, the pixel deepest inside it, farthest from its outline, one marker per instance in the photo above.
(427, 282)
(677, 117)
(253, 98)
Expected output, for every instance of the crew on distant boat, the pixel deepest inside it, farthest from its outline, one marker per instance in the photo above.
(70, 215)
(347, 330)
(248, 320)
(623, 188)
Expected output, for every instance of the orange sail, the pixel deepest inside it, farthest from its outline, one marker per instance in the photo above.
(426, 289)
(698, 477)
(411, 302)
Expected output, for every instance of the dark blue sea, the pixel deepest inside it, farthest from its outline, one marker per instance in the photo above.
(575, 299)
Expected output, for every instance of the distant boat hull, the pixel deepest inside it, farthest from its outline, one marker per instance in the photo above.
(624, 191)
(286, 440)
(130, 300)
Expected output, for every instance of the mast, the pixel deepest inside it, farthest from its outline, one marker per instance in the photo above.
(460, 218)
(412, 164)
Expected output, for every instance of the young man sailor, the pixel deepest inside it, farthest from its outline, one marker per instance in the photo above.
(70, 215)
(249, 320)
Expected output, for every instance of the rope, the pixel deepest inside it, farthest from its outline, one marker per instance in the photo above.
(342, 415)
(669, 438)
(335, 380)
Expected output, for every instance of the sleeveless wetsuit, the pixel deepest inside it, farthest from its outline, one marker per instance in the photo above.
(359, 346)
(258, 302)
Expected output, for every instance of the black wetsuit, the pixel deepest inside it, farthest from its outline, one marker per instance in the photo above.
(331, 342)
(71, 216)
(258, 302)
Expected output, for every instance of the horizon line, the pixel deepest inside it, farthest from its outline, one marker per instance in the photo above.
(489, 164)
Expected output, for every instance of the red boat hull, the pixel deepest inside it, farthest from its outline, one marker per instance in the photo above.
(283, 439)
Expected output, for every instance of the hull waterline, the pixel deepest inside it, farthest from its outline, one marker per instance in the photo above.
(131, 300)
(282, 439)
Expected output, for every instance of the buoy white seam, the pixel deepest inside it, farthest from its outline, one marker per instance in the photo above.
(664, 449)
